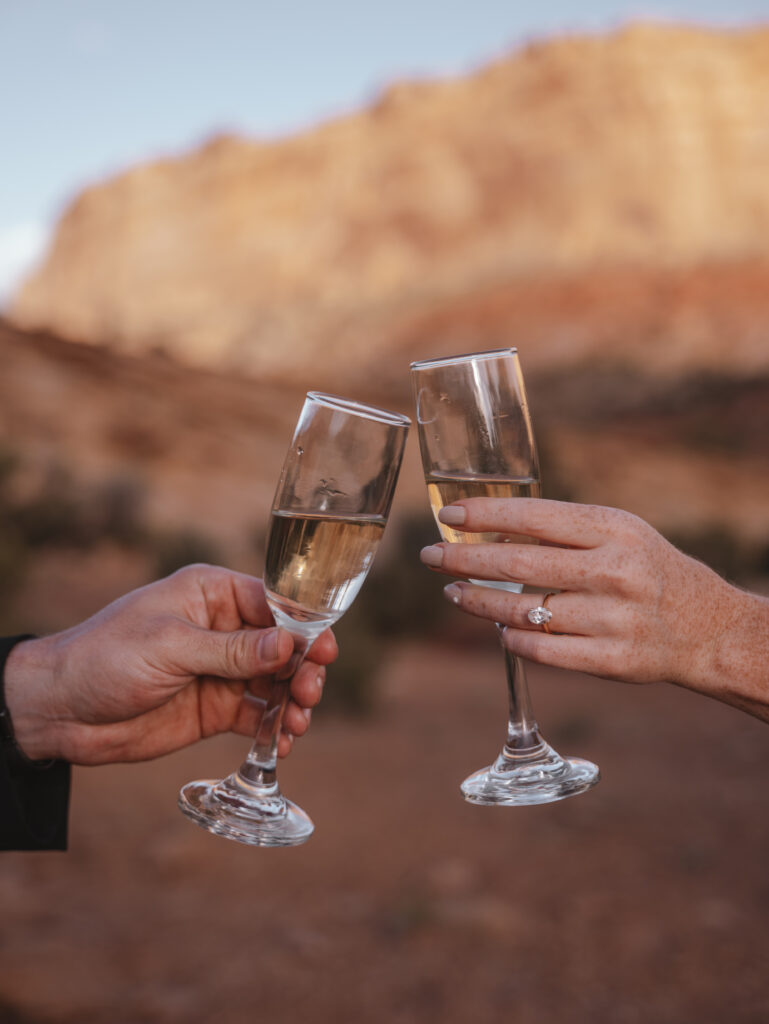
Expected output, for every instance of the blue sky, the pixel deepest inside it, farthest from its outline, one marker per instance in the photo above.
(88, 87)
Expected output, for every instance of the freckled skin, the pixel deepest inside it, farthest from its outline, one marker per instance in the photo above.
(629, 606)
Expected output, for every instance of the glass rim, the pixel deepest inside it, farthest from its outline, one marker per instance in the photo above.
(350, 405)
(467, 357)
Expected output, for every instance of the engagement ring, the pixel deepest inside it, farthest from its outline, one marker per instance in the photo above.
(541, 615)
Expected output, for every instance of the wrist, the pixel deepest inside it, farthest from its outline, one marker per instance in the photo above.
(735, 669)
(29, 692)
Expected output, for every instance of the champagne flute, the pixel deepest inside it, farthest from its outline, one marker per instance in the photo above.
(476, 440)
(328, 516)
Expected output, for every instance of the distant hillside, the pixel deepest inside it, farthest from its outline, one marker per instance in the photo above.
(184, 448)
(592, 199)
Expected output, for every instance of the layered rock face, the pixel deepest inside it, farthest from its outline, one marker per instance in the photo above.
(587, 198)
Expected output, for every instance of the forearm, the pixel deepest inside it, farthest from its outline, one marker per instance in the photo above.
(736, 668)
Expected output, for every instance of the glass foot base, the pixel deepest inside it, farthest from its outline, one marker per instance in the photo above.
(228, 809)
(540, 777)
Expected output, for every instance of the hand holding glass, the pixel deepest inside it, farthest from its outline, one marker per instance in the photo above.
(328, 516)
(476, 440)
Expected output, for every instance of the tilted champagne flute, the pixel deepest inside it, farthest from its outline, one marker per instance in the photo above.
(476, 440)
(328, 516)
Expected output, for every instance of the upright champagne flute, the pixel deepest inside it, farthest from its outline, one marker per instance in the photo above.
(328, 516)
(476, 440)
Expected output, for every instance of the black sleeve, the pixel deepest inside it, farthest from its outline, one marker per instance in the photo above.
(34, 797)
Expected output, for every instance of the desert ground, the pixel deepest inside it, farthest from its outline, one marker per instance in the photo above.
(644, 900)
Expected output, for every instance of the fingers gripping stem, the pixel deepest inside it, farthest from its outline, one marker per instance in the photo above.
(259, 768)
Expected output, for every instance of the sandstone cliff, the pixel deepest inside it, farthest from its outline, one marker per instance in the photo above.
(586, 198)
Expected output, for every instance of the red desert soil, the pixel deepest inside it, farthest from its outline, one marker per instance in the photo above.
(643, 901)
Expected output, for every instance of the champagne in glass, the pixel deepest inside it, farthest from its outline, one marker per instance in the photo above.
(316, 564)
(444, 488)
(476, 440)
(328, 517)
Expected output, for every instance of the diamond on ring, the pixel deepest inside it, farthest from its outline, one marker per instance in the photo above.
(539, 616)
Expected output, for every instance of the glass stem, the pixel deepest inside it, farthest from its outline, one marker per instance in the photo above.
(523, 738)
(259, 767)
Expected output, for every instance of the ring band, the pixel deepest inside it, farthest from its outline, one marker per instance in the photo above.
(541, 615)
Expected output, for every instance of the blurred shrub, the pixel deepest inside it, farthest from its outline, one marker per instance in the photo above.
(400, 599)
(173, 550)
(14, 558)
(137, 440)
(117, 511)
(351, 680)
(9, 462)
(55, 516)
(13, 550)
(63, 514)
(762, 560)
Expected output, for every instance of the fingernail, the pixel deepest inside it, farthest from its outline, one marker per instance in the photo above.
(452, 515)
(268, 645)
(320, 678)
(432, 556)
(453, 592)
(307, 712)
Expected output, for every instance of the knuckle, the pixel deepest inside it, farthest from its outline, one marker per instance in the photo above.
(600, 516)
(514, 563)
(607, 578)
(608, 571)
(238, 648)
(538, 518)
(188, 572)
(628, 525)
(510, 576)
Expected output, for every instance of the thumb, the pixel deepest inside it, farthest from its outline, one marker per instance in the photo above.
(238, 654)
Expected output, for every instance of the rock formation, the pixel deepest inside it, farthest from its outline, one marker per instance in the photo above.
(588, 198)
